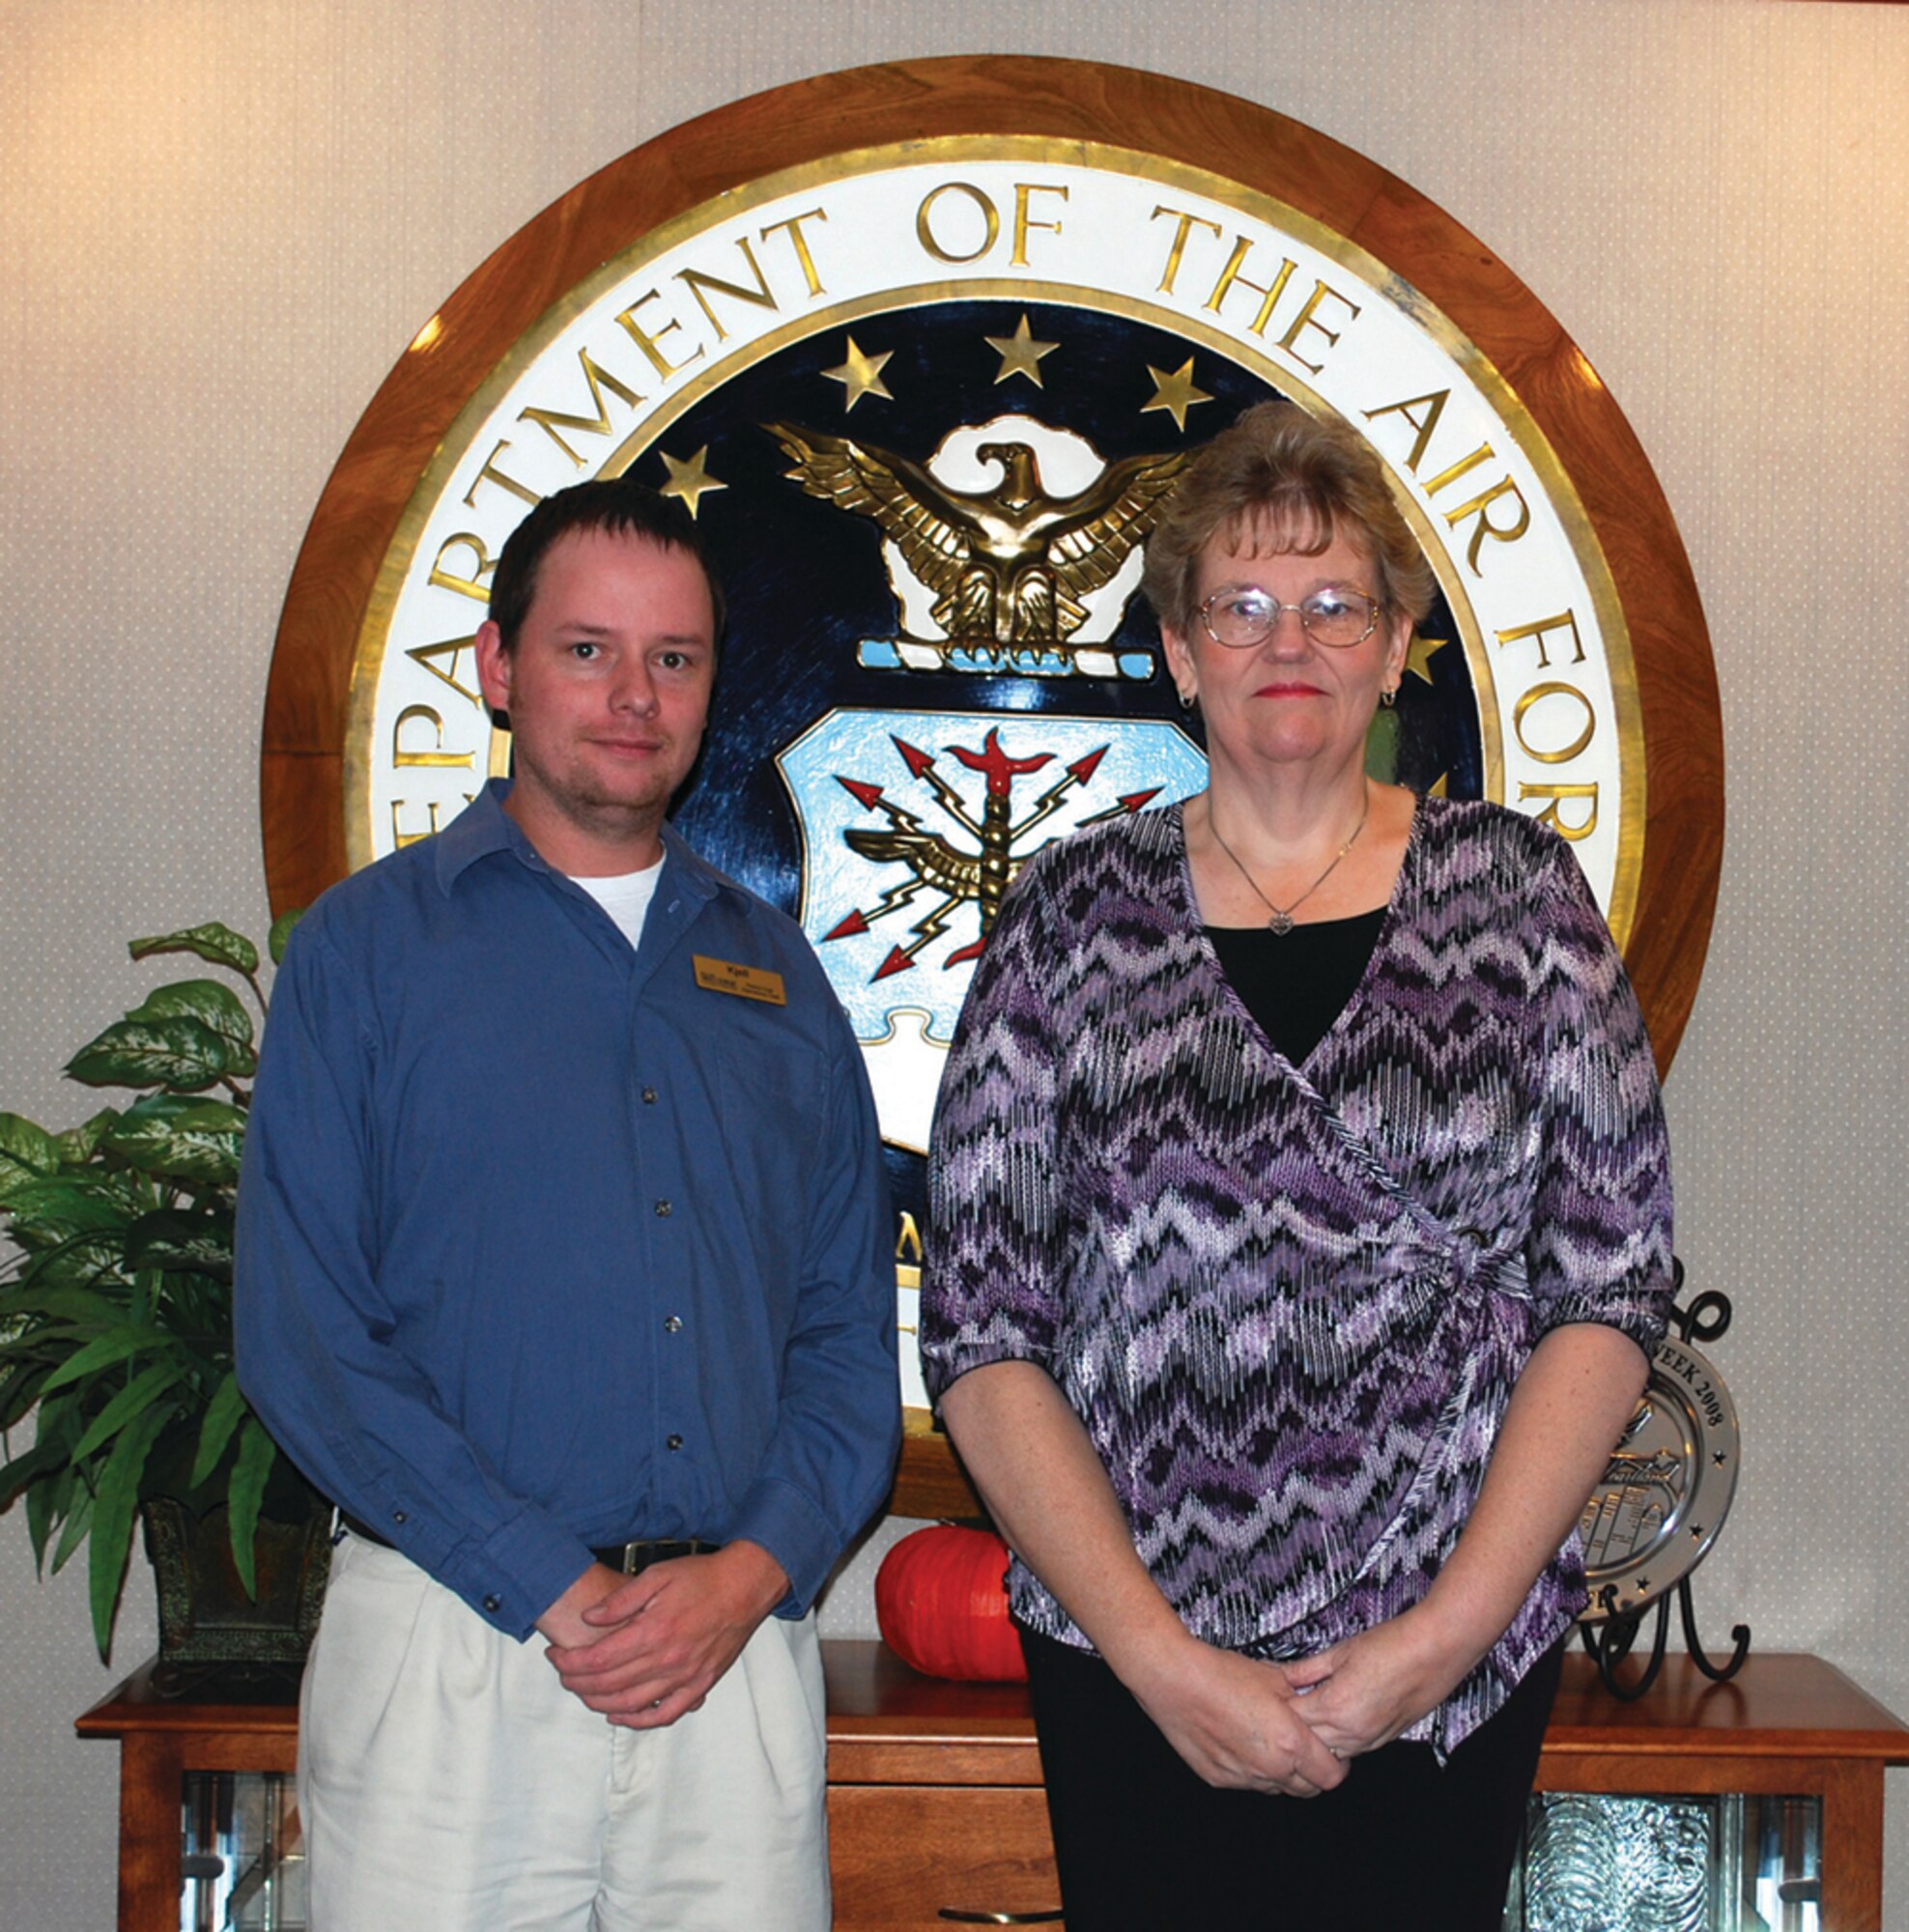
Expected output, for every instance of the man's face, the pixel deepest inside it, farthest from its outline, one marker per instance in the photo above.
(608, 691)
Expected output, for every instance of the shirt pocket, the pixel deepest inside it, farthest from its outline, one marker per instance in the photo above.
(772, 1128)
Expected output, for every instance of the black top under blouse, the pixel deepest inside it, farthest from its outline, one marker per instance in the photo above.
(1296, 984)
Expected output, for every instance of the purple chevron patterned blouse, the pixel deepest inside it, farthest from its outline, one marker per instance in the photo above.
(1290, 1302)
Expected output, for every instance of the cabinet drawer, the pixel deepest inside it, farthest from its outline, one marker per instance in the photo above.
(904, 1856)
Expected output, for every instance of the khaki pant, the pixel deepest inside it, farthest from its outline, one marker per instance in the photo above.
(450, 1783)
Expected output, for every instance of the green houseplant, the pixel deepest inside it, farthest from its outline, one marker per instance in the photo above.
(116, 1311)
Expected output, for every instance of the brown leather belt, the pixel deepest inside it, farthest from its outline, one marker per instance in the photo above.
(630, 1559)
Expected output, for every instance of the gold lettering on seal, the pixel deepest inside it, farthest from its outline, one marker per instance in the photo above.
(1423, 425)
(473, 585)
(793, 223)
(1023, 223)
(991, 222)
(1480, 506)
(650, 341)
(491, 473)
(1463, 466)
(422, 655)
(1269, 294)
(908, 1255)
(1308, 318)
(1552, 814)
(1535, 696)
(1433, 406)
(437, 758)
(1177, 249)
(1231, 276)
(1565, 620)
(400, 837)
(696, 282)
(552, 421)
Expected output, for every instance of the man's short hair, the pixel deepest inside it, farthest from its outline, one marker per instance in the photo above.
(619, 505)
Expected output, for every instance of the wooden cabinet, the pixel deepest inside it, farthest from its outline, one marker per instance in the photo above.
(928, 1855)
(909, 1756)
(937, 1813)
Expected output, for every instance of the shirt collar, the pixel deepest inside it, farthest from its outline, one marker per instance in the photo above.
(484, 827)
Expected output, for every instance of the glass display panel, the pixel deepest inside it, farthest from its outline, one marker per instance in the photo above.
(1589, 1864)
(244, 1853)
(1733, 1863)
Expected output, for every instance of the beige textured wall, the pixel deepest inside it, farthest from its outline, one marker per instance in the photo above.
(219, 223)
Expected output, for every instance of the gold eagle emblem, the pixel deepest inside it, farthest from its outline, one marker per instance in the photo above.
(1006, 565)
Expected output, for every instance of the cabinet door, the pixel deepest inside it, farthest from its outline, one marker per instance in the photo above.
(918, 1858)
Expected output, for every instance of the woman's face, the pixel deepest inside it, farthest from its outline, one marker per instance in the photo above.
(1288, 698)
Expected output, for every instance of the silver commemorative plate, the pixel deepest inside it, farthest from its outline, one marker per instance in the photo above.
(1666, 1489)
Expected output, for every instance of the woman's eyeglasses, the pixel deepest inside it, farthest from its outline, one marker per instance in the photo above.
(1242, 617)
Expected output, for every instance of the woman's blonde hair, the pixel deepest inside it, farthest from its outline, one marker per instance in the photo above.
(1306, 481)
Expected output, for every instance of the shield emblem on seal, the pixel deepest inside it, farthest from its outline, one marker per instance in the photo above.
(913, 824)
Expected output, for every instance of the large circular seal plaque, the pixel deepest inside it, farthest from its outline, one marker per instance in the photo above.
(922, 348)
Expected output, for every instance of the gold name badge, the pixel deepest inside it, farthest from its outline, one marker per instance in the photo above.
(749, 982)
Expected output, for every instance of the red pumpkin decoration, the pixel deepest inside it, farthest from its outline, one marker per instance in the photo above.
(942, 1605)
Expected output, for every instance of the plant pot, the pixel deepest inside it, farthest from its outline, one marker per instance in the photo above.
(205, 1616)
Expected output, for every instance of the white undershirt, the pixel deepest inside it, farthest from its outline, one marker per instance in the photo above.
(625, 897)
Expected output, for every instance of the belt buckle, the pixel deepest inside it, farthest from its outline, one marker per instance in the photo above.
(639, 1553)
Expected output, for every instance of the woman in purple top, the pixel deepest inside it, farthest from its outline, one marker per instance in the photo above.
(1301, 1231)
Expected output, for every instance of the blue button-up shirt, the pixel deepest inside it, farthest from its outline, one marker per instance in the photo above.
(543, 1245)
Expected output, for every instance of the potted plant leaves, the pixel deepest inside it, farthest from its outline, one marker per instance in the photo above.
(116, 1330)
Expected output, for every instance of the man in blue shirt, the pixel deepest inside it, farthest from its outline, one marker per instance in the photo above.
(565, 1268)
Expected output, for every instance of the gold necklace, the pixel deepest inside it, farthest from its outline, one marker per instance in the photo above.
(1282, 922)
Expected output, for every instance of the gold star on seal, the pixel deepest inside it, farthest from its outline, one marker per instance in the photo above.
(860, 375)
(1419, 653)
(1020, 353)
(691, 480)
(1174, 393)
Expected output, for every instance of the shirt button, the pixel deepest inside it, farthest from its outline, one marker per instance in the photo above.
(674, 1325)
(663, 1210)
(673, 1442)
(494, 1605)
(649, 1097)
(398, 1515)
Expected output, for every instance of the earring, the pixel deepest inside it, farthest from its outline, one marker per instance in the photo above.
(1186, 700)
(1389, 697)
